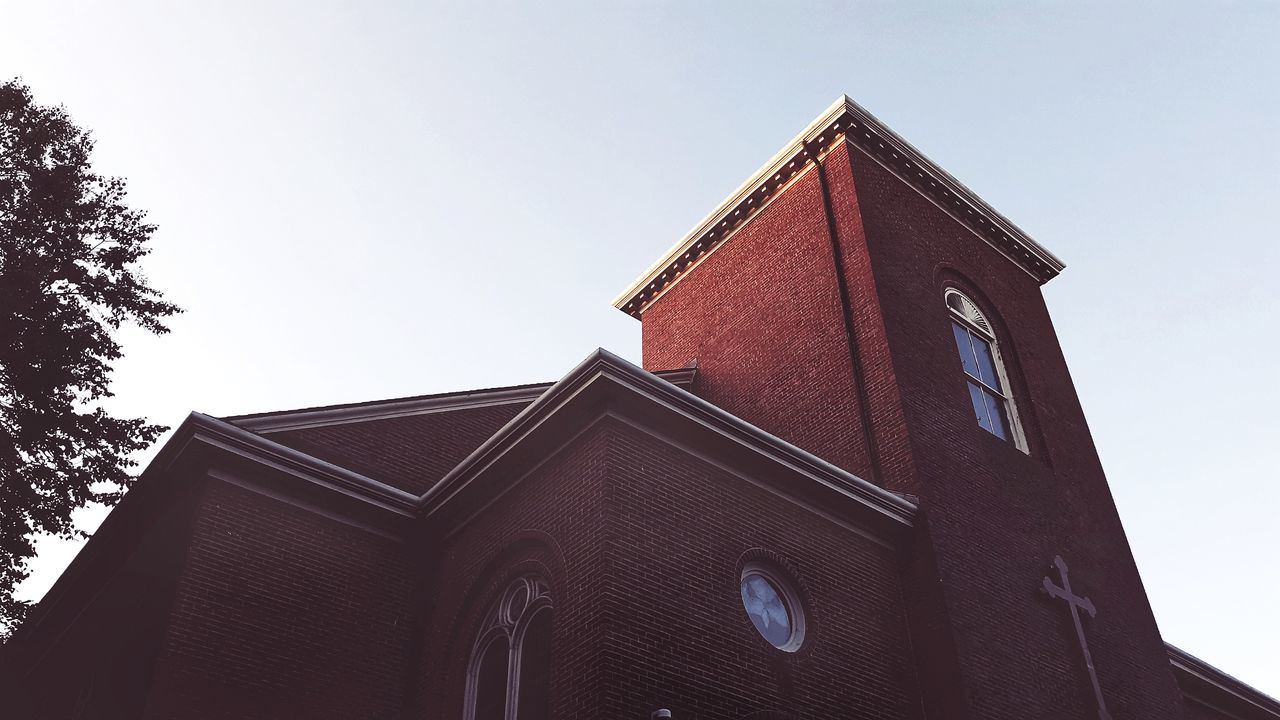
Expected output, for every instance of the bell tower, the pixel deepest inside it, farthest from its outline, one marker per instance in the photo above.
(857, 301)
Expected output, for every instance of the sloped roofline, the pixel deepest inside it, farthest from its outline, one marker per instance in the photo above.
(203, 445)
(321, 416)
(198, 446)
(844, 120)
(277, 420)
(601, 373)
(1208, 684)
(605, 381)
(601, 370)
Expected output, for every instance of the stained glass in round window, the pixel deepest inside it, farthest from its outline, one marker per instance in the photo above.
(771, 610)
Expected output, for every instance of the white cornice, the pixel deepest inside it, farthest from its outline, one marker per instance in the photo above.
(281, 421)
(603, 375)
(343, 414)
(262, 451)
(602, 385)
(606, 382)
(844, 120)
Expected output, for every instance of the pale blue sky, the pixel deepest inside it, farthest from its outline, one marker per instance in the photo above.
(367, 200)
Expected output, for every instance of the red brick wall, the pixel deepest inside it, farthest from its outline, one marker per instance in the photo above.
(761, 315)
(679, 637)
(281, 612)
(549, 523)
(100, 656)
(996, 516)
(643, 544)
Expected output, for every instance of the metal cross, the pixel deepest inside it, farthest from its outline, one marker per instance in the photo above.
(1075, 603)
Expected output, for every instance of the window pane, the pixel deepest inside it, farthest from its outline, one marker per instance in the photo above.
(491, 682)
(535, 669)
(976, 394)
(986, 366)
(767, 610)
(995, 414)
(964, 345)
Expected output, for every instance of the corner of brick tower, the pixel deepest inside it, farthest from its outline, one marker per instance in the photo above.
(813, 303)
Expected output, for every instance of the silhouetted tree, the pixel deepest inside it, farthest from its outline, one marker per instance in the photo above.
(68, 280)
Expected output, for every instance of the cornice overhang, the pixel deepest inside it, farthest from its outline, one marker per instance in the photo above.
(343, 414)
(844, 121)
(305, 418)
(298, 468)
(605, 385)
(1208, 685)
(205, 449)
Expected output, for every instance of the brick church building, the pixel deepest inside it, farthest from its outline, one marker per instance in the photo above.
(852, 480)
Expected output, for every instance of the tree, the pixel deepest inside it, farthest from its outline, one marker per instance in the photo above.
(69, 248)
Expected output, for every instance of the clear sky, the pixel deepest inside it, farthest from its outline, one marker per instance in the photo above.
(365, 200)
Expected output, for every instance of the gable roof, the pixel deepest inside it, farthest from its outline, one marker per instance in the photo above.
(207, 448)
(603, 384)
(606, 385)
(407, 443)
(419, 453)
(411, 452)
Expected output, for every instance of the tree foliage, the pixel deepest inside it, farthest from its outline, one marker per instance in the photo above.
(69, 248)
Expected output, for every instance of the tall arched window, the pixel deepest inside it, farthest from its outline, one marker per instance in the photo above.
(509, 677)
(987, 380)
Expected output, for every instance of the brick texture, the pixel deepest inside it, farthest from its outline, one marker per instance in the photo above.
(996, 516)
(101, 663)
(643, 544)
(762, 317)
(550, 523)
(410, 453)
(679, 637)
(231, 603)
(281, 612)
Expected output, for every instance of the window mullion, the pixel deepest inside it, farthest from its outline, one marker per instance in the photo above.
(513, 674)
(992, 390)
(973, 353)
(986, 412)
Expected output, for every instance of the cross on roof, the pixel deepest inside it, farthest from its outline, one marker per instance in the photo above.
(1075, 603)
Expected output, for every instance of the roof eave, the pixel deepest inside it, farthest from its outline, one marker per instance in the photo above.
(1198, 679)
(847, 120)
(605, 383)
(193, 451)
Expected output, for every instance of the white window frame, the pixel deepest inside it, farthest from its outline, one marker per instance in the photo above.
(507, 621)
(971, 317)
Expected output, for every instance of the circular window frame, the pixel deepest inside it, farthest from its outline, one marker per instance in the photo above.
(786, 588)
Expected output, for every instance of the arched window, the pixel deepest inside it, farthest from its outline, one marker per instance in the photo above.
(980, 357)
(509, 677)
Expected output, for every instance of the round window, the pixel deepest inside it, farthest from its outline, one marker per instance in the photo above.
(772, 607)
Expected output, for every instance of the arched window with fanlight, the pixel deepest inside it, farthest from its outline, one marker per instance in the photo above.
(985, 375)
(509, 675)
